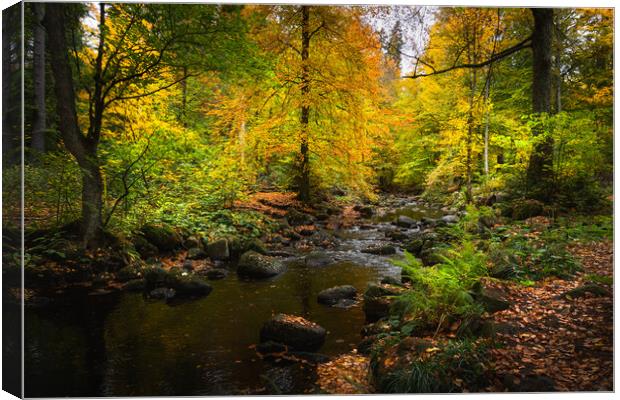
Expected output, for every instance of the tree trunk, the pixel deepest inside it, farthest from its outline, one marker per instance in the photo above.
(304, 165)
(486, 123)
(38, 67)
(82, 148)
(184, 99)
(11, 85)
(471, 56)
(541, 161)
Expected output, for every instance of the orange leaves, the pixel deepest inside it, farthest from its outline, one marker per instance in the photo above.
(568, 340)
(347, 374)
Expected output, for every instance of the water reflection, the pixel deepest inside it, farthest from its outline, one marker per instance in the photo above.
(123, 345)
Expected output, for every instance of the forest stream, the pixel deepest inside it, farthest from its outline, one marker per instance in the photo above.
(122, 344)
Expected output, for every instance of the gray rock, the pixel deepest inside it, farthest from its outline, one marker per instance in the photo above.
(295, 332)
(162, 236)
(591, 289)
(134, 285)
(218, 250)
(332, 295)
(255, 265)
(382, 250)
(196, 253)
(190, 286)
(318, 259)
(377, 301)
(297, 218)
(492, 299)
(145, 248)
(162, 293)
(216, 273)
(397, 235)
(193, 241)
(405, 222)
(450, 219)
(344, 303)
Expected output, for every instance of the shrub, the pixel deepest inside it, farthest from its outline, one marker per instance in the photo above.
(454, 367)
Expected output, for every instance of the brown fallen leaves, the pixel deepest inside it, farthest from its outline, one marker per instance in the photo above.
(270, 203)
(296, 320)
(567, 340)
(347, 374)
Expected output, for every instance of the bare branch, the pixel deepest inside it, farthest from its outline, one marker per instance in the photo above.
(502, 54)
(137, 96)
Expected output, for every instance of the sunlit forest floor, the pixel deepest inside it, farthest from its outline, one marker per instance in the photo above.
(557, 334)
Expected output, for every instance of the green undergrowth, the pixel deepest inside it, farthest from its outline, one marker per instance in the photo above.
(454, 366)
(440, 292)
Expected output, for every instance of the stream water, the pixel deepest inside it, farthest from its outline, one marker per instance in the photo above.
(121, 344)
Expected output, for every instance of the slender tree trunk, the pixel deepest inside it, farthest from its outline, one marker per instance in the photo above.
(470, 117)
(39, 125)
(539, 171)
(184, 99)
(242, 133)
(558, 80)
(84, 149)
(486, 123)
(11, 85)
(304, 181)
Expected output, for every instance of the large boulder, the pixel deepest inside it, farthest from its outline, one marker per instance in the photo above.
(218, 250)
(333, 295)
(255, 265)
(162, 236)
(293, 331)
(297, 218)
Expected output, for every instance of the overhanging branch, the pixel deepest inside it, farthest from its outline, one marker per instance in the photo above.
(502, 54)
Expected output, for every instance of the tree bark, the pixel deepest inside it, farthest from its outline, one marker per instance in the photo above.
(11, 85)
(304, 165)
(82, 148)
(540, 166)
(471, 57)
(38, 67)
(487, 88)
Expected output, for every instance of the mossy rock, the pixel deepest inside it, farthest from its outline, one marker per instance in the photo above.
(189, 286)
(196, 253)
(162, 236)
(135, 285)
(591, 289)
(257, 266)
(218, 249)
(128, 273)
(297, 218)
(145, 248)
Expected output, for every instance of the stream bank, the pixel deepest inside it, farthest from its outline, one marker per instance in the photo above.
(125, 341)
